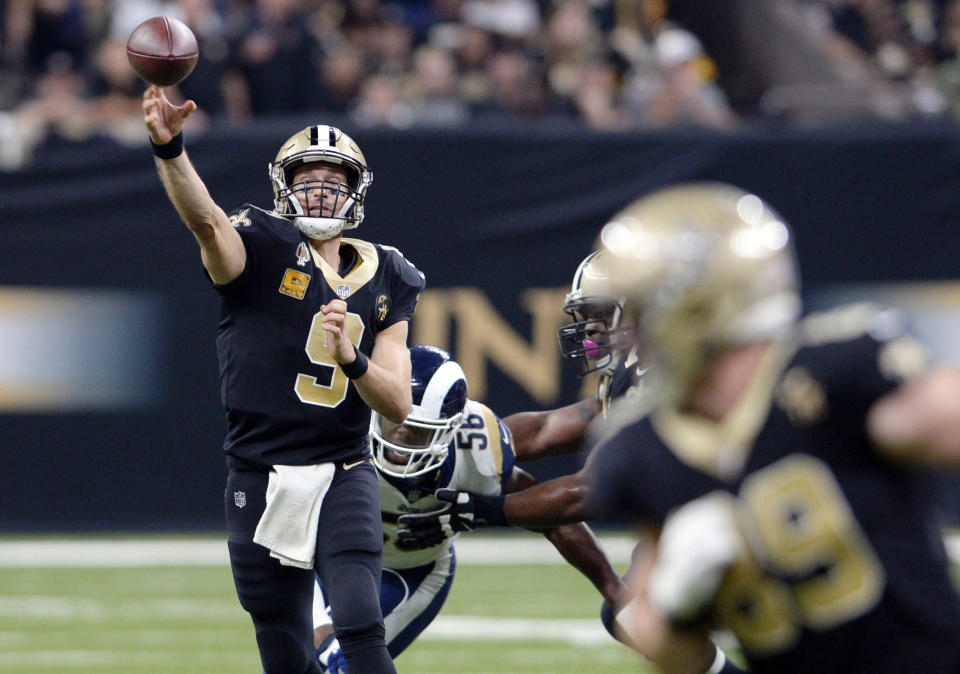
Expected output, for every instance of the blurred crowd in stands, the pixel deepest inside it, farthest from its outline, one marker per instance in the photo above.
(608, 65)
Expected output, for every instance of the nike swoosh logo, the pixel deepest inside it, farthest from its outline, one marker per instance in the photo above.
(348, 466)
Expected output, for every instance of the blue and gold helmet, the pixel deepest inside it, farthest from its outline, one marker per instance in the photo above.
(421, 443)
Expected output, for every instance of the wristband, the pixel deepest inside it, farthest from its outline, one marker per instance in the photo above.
(169, 150)
(357, 368)
(723, 665)
(719, 660)
(490, 510)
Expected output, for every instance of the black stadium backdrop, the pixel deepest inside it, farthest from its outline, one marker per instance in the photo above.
(110, 417)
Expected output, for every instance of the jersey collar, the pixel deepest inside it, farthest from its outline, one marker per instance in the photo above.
(363, 269)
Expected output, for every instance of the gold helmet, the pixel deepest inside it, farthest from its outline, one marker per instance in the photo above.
(706, 266)
(586, 342)
(325, 144)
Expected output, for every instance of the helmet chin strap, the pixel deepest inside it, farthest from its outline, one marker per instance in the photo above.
(318, 227)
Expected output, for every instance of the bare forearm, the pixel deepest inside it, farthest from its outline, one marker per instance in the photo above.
(580, 548)
(221, 248)
(538, 435)
(188, 193)
(564, 500)
(525, 428)
(385, 392)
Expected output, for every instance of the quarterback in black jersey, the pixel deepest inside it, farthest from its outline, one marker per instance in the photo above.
(312, 335)
(776, 454)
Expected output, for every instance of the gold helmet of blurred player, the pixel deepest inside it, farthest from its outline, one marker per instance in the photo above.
(586, 342)
(706, 266)
(329, 145)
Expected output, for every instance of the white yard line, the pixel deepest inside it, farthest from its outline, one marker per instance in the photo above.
(575, 631)
(480, 549)
(93, 553)
(472, 628)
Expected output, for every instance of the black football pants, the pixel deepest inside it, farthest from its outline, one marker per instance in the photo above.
(348, 560)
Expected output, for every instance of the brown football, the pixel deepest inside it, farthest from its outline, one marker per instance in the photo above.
(162, 50)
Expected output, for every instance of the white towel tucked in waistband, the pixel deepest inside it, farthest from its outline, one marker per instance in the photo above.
(288, 525)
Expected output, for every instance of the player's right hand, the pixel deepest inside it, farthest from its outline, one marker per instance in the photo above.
(164, 120)
(335, 339)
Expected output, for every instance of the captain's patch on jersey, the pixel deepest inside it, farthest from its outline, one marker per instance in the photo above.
(295, 283)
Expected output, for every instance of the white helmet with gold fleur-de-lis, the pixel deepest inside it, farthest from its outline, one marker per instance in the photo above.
(585, 342)
(705, 266)
(324, 144)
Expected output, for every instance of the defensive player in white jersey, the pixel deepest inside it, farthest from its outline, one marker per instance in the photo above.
(446, 442)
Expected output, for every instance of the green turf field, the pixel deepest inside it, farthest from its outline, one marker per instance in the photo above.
(512, 610)
(498, 619)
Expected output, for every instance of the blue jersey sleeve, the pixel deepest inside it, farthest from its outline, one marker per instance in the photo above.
(509, 457)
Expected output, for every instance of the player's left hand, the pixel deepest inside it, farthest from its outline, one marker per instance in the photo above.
(334, 322)
(698, 544)
(427, 529)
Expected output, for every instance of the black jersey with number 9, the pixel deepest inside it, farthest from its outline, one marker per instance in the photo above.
(287, 401)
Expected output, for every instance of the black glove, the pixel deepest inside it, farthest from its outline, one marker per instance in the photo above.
(464, 511)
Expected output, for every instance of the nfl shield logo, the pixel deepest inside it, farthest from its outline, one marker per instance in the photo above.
(240, 498)
(343, 291)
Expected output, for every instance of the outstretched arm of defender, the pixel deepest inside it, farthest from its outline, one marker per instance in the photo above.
(578, 546)
(537, 435)
(563, 500)
(221, 247)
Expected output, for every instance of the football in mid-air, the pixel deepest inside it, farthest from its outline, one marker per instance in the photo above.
(162, 50)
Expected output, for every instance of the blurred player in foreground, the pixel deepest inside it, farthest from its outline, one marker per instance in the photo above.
(446, 442)
(587, 344)
(312, 335)
(777, 452)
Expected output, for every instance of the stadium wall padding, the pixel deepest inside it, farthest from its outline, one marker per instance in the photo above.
(497, 219)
